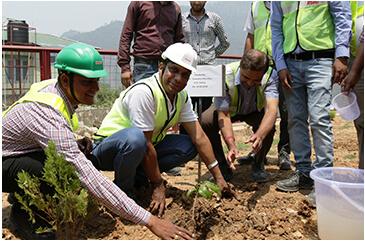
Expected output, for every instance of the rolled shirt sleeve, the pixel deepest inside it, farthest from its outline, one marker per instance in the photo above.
(276, 21)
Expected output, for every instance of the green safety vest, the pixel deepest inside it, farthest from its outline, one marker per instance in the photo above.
(115, 121)
(50, 99)
(357, 12)
(234, 90)
(262, 32)
(308, 24)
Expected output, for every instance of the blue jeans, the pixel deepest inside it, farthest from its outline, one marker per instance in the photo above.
(308, 105)
(144, 68)
(123, 153)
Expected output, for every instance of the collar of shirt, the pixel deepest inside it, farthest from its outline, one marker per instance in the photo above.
(206, 14)
(58, 90)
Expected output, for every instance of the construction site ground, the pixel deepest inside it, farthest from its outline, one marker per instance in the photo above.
(260, 212)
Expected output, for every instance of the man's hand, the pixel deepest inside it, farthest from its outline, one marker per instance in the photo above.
(256, 142)
(231, 157)
(85, 145)
(157, 205)
(350, 81)
(285, 78)
(227, 191)
(339, 69)
(164, 229)
(126, 78)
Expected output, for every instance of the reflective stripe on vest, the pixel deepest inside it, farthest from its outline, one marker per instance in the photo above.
(234, 90)
(307, 24)
(117, 119)
(262, 32)
(50, 99)
(357, 12)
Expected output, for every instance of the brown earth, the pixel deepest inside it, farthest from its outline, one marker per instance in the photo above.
(260, 212)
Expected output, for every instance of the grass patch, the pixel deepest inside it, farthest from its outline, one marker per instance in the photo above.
(242, 146)
(350, 157)
(347, 125)
(275, 141)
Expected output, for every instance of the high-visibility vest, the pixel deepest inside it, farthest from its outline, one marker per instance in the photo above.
(262, 32)
(50, 99)
(234, 90)
(357, 12)
(308, 24)
(115, 121)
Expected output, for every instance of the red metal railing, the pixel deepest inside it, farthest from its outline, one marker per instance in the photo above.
(24, 65)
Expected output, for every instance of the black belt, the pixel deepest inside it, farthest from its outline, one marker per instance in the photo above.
(310, 55)
(145, 61)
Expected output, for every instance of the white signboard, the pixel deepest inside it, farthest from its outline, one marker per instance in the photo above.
(207, 81)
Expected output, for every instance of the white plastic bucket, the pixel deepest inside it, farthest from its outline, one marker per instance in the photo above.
(346, 106)
(340, 202)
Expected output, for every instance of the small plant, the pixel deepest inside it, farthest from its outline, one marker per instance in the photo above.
(66, 208)
(205, 189)
(332, 113)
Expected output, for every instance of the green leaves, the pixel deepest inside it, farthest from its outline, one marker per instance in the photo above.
(332, 114)
(205, 189)
(67, 202)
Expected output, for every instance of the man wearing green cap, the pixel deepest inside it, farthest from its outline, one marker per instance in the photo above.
(47, 113)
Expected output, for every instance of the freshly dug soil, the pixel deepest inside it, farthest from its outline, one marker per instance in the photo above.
(259, 212)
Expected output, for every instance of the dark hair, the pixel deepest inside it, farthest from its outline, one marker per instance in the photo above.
(255, 60)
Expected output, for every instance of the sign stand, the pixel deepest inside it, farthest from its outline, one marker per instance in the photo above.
(200, 111)
(206, 81)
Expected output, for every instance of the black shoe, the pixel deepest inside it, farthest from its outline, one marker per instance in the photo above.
(297, 181)
(311, 198)
(260, 176)
(246, 160)
(258, 173)
(176, 171)
(226, 171)
(284, 161)
(25, 228)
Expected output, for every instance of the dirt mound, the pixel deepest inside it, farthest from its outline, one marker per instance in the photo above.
(259, 212)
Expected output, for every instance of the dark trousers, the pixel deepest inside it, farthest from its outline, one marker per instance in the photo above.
(284, 133)
(211, 128)
(32, 163)
(206, 103)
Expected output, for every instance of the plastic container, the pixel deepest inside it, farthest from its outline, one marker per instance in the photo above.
(340, 202)
(346, 106)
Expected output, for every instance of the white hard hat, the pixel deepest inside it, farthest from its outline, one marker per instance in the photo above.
(181, 54)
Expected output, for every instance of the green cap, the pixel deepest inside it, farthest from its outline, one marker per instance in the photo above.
(81, 59)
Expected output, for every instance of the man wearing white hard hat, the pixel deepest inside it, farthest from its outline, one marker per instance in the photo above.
(132, 139)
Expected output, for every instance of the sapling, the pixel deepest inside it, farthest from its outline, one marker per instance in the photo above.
(205, 189)
(66, 207)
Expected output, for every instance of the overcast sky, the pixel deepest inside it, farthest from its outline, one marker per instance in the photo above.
(57, 17)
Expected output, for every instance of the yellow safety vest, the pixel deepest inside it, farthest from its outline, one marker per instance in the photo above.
(50, 99)
(262, 32)
(357, 12)
(308, 24)
(115, 121)
(234, 90)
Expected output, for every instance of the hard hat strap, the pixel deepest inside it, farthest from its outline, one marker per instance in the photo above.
(72, 89)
